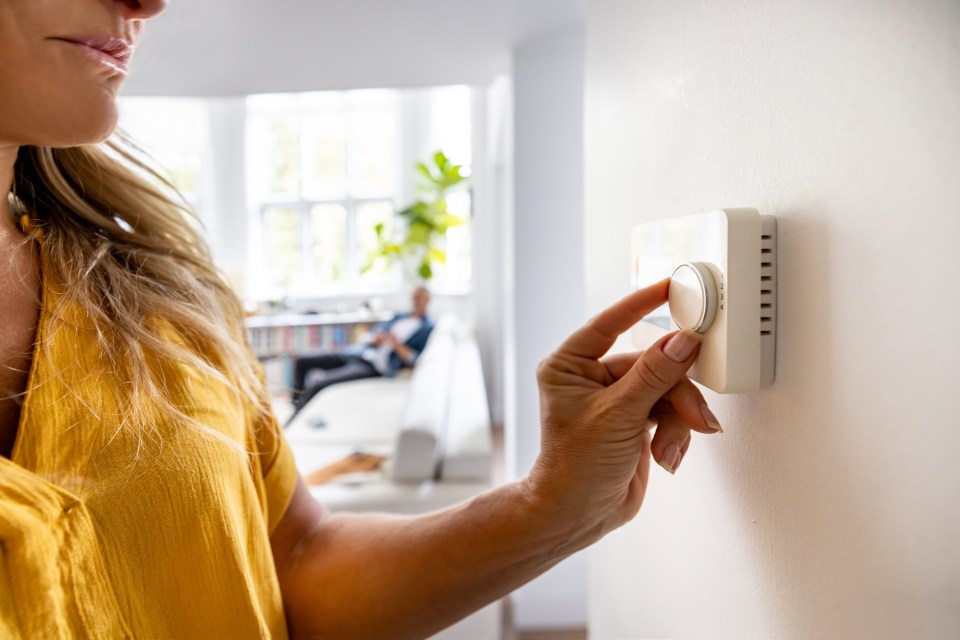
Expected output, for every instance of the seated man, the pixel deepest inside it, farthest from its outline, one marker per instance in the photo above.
(395, 344)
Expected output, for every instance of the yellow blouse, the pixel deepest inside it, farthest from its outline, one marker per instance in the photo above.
(103, 535)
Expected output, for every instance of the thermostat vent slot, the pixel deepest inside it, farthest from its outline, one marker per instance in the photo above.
(768, 298)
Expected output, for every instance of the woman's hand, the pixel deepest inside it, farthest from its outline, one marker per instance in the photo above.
(598, 413)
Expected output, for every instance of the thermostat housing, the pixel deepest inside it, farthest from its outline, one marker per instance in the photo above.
(723, 270)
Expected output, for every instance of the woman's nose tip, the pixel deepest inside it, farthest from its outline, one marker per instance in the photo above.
(143, 9)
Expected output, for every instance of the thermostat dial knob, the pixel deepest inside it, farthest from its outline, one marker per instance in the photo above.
(693, 297)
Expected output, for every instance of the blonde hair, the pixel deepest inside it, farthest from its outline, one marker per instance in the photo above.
(126, 250)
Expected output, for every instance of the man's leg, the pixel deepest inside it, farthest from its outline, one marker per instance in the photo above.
(302, 365)
(356, 368)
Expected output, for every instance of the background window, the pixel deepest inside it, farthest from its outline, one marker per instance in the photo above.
(451, 131)
(319, 171)
(330, 160)
(174, 133)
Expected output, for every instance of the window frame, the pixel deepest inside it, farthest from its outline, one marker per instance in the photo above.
(226, 185)
(298, 105)
(352, 285)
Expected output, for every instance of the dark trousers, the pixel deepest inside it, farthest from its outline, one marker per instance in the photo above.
(337, 367)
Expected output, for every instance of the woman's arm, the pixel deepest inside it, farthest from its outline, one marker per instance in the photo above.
(355, 575)
(360, 575)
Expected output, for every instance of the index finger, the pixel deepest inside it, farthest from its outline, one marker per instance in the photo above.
(596, 337)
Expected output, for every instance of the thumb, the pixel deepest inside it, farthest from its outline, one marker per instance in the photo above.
(659, 369)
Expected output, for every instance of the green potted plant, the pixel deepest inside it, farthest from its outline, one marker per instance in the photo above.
(418, 242)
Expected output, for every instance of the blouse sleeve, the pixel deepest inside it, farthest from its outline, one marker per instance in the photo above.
(277, 469)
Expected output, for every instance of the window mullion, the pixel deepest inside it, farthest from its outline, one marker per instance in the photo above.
(353, 267)
(311, 277)
(263, 251)
(307, 263)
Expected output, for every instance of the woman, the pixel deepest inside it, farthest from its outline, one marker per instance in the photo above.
(145, 490)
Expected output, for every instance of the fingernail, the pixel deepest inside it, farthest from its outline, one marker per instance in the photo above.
(671, 457)
(709, 418)
(682, 345)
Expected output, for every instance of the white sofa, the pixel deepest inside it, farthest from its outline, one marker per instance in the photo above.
(434, 426)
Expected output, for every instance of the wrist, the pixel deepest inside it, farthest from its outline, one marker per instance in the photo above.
(567, 511)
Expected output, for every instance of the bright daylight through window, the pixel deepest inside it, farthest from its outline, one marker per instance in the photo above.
(320, 172)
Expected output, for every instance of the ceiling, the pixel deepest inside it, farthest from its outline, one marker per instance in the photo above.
(234, 47)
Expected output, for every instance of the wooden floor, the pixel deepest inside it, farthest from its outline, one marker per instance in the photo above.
(509, 633)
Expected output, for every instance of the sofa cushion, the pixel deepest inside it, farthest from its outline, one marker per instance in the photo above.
(359, 413)
(418, 445)
(435, 424)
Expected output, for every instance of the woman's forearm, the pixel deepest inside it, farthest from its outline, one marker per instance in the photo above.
(371, 575)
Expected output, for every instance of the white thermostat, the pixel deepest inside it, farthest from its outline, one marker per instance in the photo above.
(722, 267)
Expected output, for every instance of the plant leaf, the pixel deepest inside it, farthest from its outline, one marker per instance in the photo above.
(436, 255)
(425, 271)
(418, 240)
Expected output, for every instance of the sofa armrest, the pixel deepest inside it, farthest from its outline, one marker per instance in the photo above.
(467, 443)
(420, 439)
(414, 456)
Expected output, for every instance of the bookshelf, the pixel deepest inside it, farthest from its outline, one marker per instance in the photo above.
(277, 339)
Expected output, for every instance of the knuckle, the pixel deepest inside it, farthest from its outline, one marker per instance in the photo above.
(553, 366)
(653, 376)
(544, 368)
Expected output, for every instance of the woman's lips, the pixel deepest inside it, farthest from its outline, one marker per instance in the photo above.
(111, 52)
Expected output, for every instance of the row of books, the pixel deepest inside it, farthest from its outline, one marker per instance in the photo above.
(275, 341)
(279, 375)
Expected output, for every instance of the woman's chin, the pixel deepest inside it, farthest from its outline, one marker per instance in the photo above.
(80, 129)
(70, 112)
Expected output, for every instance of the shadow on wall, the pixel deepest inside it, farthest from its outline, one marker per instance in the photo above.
(795, 476)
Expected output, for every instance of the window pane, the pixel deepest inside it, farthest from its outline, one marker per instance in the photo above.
(275, 156)
(324, 155)
(314, 100)
(458, 203)
(450, 126)
(459, 267)
(378, 98)
(456, 273)
(369, 215)
(329, 226)
(173, 131)
(282, 252)
(267, 102)
(373, 135)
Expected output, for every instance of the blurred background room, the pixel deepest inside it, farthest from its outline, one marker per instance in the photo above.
(341, 153)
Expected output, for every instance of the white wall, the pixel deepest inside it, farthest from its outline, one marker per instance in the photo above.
(227, 213)
(492, 180)
(545, 243)
(828, 509)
